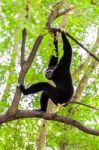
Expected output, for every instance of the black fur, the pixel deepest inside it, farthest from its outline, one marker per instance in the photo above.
(61, 76)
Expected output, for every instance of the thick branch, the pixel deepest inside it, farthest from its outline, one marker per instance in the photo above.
(24, 38)
(34, 50)
(36, 114)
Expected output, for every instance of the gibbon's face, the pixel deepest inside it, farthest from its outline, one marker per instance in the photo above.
(48, 73)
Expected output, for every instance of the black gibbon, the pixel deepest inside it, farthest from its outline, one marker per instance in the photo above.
(59, 73)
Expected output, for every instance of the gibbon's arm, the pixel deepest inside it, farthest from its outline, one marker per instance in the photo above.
(54, 58)
(67, 56)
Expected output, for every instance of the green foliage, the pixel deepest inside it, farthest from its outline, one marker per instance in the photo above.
(23, 134)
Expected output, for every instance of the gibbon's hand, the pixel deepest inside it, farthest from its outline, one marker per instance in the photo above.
(55, 30)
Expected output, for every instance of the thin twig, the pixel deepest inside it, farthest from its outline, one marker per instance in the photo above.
(80, 103)
(23, 46)
(91, 54)
(65, 11)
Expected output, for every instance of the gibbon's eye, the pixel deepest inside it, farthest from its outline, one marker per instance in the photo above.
(48, 73)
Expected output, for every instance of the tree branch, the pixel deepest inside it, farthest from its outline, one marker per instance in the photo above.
(81, 45)
(23, 46)
(80, 103)
(55, 13)
(65, 11)
(36, 114)
(34, 50)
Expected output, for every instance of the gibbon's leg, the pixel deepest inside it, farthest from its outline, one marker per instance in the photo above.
(51, 91)
(44, 101)
(67, 56)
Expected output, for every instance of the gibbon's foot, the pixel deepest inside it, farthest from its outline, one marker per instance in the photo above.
(22, 87)
(58, 107)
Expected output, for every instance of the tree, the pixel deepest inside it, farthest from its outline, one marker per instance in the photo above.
(29, 24)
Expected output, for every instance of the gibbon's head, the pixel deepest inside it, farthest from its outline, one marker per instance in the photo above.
(49, 73)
